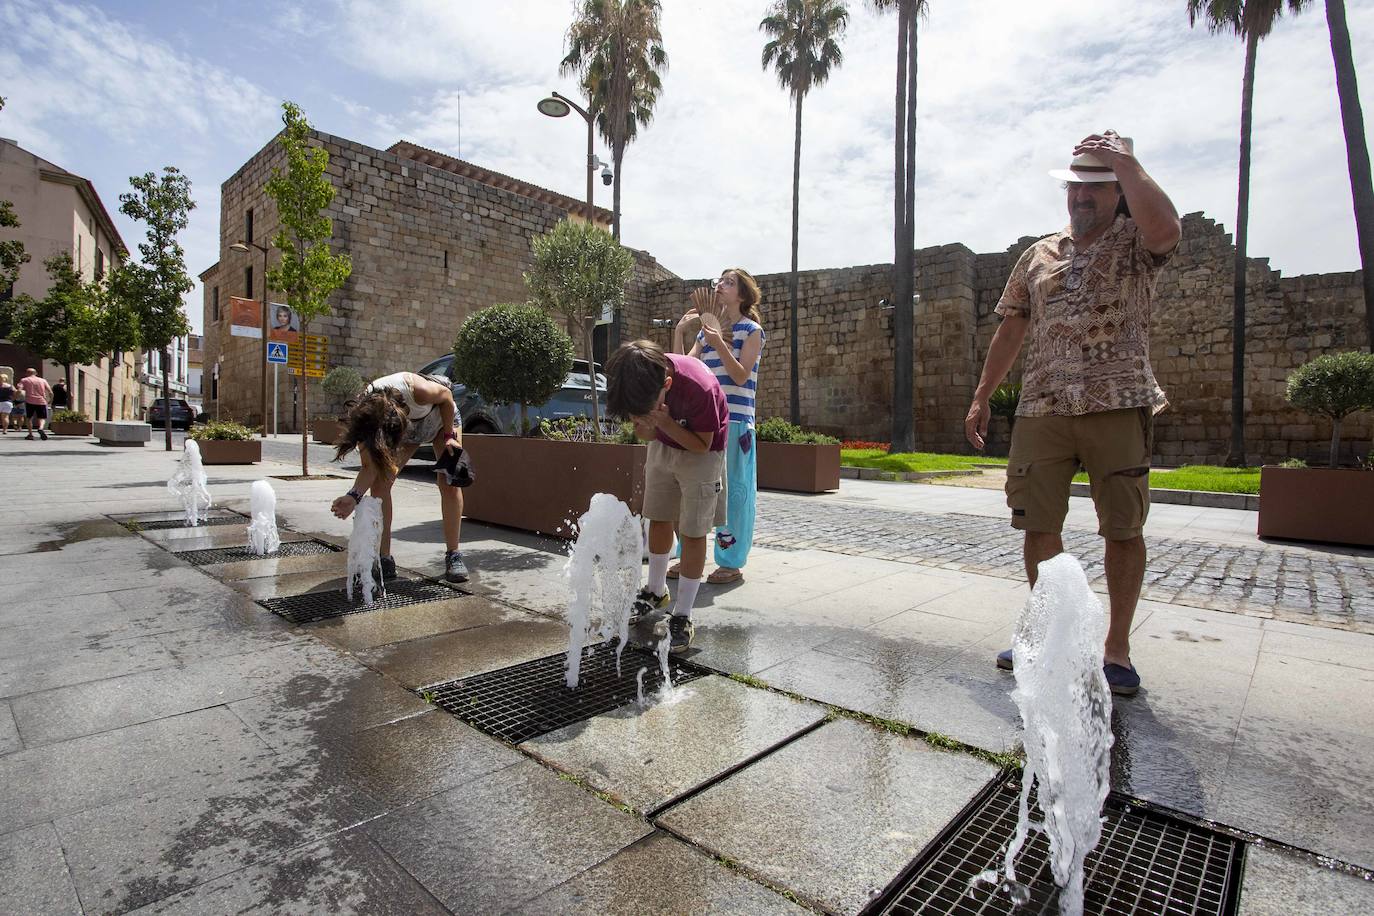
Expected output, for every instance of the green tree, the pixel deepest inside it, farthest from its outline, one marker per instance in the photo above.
(512, 354)
(1356, 152)
(308, 271)
(1334, 386)
(12, 253)
(803, 49)
(62, 325)
(909, 13)
(578, 270)
(116, 306)
(1251, 20)
(616, 50)
(156, 286)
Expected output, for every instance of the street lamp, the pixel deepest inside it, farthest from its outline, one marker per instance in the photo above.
(558, 106)
(242, 247)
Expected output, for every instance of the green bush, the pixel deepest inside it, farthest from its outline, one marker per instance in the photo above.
(512, 354)
(776, 429)
(1005, 398)
(579, 429)
(1334, 386)
(223, 430)
(70, 416)
(342, 382)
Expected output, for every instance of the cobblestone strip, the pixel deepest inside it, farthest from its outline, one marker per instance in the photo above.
(1328, 589)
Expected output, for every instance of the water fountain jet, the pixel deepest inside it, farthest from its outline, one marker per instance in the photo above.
(365, 550)
(188, 484)
(263, 538)
(603, 577)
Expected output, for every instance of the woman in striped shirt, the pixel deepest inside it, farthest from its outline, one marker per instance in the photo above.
(732, 302)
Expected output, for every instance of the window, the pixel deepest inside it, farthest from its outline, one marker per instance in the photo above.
(214, 303)
(248, 282)
(99, 264)
(248, 225)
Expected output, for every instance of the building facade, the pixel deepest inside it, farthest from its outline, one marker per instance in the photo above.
(61, 212)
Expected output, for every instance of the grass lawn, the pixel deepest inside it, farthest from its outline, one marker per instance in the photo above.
(1205, 477)
(912, 461)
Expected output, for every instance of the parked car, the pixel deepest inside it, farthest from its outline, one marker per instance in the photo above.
(182, 413)
(574, 399)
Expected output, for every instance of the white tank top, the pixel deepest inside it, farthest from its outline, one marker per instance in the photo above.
(397, 382)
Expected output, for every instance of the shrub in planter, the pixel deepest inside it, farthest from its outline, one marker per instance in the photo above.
(225, 442)
(776, 429)
(71, 423)
(513, 354)
(1334, 386)
(791, 458)
(343, 383)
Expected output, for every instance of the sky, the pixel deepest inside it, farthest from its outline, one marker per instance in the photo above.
(1006, 88)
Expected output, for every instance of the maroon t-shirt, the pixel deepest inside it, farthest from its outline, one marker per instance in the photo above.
(696, 402)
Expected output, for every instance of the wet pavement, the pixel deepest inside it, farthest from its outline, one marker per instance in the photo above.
(167, 745)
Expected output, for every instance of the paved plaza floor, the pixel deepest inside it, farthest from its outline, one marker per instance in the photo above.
(169, 745)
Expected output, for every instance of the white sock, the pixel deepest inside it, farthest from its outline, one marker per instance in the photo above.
(658, 572)
(686, 596)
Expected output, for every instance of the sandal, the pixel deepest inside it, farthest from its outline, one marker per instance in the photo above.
(724, 574)
(674, 571)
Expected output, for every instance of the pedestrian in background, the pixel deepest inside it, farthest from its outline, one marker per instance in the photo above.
(37, 395)
(6, 403)
(61, 399)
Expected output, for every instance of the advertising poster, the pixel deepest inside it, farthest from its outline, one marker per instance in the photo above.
(245, 318)
(283, 323)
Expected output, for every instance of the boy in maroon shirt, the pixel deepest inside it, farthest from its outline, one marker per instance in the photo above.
(675, 402)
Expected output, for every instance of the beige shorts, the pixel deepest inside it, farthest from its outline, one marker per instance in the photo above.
(684, 487)
(1112, 446)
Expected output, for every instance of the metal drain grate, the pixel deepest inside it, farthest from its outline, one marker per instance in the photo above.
(531, 699)
(314, 606)
(214, 555)
(164, 524)
(1146, 862)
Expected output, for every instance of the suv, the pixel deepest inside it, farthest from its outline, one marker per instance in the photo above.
(182, 414)
(574, 399)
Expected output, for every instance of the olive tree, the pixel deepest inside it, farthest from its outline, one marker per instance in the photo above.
(512, 354)
(1334, 386)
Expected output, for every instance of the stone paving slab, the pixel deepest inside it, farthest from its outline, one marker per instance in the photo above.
(134, 851)
(42, 783)
(37, 882)
(111, 576)
(496, 842)
(1282, 884)
(270, 567)
(319, 580)
(659, 876)
(648, 757)
(9, 731)
(57, 664)
(170, 515)
(434, 659)
(204, 537)
(347, 875)
(356, 632)
(834, 816)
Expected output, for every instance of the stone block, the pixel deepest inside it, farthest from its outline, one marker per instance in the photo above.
(123, 433)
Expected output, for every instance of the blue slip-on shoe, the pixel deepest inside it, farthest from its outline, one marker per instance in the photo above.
(1004, 660)
(1124, 681)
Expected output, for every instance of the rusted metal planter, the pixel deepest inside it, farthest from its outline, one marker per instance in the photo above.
(801, 468)
(230, 451)
(1334, 505)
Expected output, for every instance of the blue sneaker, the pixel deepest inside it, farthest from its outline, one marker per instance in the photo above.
(1123, 680)
(1004, 660)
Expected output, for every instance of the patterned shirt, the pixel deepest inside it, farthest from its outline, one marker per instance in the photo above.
(1089, 334)
(739, 397)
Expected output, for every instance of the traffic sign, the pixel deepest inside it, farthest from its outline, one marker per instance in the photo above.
(276, 352)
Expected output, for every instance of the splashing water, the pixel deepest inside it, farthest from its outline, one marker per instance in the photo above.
(365, 549)
(1066, 707)
(639, 684)
(262, 530)
(603, 577)
(188, 484)
(664, 645)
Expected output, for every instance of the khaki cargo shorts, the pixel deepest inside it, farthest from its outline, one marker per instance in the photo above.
(684, 487)
(1112, 446)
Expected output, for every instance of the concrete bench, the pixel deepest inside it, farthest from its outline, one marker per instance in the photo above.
(123, 433)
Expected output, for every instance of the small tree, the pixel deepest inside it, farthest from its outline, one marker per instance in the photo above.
(512, 354)
(116, 323)
(578, 270)
(62, 325)
(155, 288)
(12, 253)
(342, 383)
(308, 272)
(1334, 386)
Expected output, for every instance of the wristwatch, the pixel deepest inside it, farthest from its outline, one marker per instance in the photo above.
(357, 497)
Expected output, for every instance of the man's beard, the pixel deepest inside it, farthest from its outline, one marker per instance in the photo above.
(1083, 220)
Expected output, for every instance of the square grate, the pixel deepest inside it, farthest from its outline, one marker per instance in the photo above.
(531, 699)
(1146, 862)
(212, 555)
(164, 524)
(314, 606)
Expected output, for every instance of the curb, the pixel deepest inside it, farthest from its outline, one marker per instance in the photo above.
(1247, 501)
(848, 473)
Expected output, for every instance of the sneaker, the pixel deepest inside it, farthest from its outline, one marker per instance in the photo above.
(680, 631)
(1004, 660)
(454, 568)
(646, 603)
(1122, 679)
(388, 567)
(29, 437)
(43, 434)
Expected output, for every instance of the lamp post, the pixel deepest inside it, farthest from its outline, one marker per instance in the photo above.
(242, 247)
(558, 106)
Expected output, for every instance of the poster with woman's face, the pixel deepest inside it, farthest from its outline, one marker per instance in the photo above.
(283, 323)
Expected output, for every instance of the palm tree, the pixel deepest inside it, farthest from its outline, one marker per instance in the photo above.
(904, 221)
(1251, 20)
(616, 50)
(803, 50)
(1356, 151)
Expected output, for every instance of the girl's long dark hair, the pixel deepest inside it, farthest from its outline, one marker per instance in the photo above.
(374, 423)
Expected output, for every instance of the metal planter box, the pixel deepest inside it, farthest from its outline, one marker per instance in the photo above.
(230, 451)
(801, 468)
(1335, 505)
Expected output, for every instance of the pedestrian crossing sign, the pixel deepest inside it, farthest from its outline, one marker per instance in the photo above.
(276, 352)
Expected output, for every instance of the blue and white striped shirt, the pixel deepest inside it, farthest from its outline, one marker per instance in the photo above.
(740, 398)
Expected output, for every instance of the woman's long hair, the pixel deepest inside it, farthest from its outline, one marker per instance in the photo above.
(749, 296)
(375, 422)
